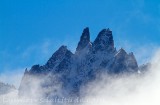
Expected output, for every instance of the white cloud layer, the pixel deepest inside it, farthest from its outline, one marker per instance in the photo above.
(120, 90)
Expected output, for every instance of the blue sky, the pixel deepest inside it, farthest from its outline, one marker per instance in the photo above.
(31, 30)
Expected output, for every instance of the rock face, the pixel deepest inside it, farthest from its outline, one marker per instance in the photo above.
(71, 71)
(84, 40)
(104, 41)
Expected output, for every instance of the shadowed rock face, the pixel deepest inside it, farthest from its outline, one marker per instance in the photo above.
(84, 40)
(104, 41)
(72, 71)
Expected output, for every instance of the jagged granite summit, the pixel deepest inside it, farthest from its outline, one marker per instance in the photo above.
(66, 72)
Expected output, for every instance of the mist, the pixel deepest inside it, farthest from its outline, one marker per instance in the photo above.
(142, 89)
(130, 89)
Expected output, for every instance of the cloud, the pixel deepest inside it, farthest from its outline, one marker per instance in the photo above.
(12, 77)
(127, 89)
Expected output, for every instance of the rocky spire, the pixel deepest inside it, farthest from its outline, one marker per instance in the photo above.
(132, 62)
(124, 62)
(121, 52)
(104, 40)
(58, 56)
(84, 40)
(26, 71)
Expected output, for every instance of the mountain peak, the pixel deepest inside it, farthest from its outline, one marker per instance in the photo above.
(73, 71)
(84, 39)
(63, 47)
(122, 51)
(104, 40)
(58, 56)
(108, 29)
